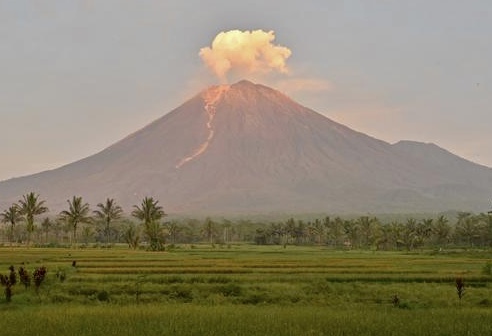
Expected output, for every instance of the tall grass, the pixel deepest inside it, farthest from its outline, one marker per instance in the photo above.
(243, 320)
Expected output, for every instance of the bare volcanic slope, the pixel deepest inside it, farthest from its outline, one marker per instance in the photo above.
(246, 148)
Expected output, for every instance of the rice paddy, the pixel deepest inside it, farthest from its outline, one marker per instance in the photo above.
(248, 290)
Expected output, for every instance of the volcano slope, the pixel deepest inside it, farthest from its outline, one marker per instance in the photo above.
(248, 149)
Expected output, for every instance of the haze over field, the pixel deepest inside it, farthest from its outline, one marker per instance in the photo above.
(78, 76)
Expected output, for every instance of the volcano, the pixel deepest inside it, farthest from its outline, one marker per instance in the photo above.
(248, 149)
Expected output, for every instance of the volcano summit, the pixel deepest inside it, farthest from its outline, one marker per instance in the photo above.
(248, 149)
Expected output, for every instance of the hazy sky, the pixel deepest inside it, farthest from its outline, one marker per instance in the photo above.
(77, 76)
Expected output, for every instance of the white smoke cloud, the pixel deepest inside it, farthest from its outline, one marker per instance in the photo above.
(246, 53)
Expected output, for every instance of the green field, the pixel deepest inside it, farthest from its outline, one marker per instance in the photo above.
(248, 290)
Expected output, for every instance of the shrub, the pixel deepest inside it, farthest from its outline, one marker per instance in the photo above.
(8, 293)
(60, 298)
(25, 279)
(8, 282)
(253, 299)
(103, 296)
(487, 268)
(395, 300)
(485, 303)
(230, 289)
(39, 275)
(181, 294)
(61, 275)
(12, 276)
(460, 287)
(5, 281)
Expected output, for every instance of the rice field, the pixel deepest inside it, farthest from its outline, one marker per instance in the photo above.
(248, 290)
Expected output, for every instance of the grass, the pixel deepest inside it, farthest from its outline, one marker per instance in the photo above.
(243, 320)
(249, 290)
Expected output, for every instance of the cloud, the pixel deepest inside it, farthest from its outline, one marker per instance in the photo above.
(246, 53)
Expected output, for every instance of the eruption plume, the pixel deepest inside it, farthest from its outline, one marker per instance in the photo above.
(245, 52)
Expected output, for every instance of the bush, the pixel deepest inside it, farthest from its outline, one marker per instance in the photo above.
(60, 298)
(485, 303)
(181, 294)
(103, 296)
(12, 276)
(39, 275)
(487, 268)
(230, 289)
(25, 279)
(253, 299)
(61, 275)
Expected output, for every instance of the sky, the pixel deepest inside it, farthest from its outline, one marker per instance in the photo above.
(77, 76)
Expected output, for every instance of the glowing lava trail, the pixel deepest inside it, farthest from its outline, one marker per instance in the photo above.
(210, 98)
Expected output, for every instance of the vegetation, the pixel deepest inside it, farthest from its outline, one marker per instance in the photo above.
(107, 213)
(150, 214)
(11, 216)
(77, 213)
(29, 207)
(109, 225)
(309, 276)
(247, 290)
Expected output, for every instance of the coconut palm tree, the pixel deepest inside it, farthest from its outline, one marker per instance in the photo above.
(11, 216)
(132, 236)
(469, 229)
(46, 224)
(107, 213)
(316, 231)
(369, 230)
(150, 214)
(409, 233)
(441, 230)
(77, 213)
(30, 206)
(209, 229)
(173, 228)
(335, 230)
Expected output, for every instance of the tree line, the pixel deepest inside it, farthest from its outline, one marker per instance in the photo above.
(366, 232)
(146, 228)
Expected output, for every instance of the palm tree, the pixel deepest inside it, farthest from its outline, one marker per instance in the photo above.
(131, 236)
(469, 228)
(150, 214)
(276, 231)
(409, 234)
(317, 229)
(351, 230)
(87, 234)
(487, 219)
(11, 215)
(77, 213)
(289, 230)
(46, 225)
(208, 229)
(335, 230)
(441, 230)
(107, 213)
(424, 231)
(173, 228)
(227, 225)
(30, 206)
(369, 230)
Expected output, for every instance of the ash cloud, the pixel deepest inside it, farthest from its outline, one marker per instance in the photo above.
(245, 53)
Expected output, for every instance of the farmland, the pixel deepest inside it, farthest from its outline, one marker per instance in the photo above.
(248, 290)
